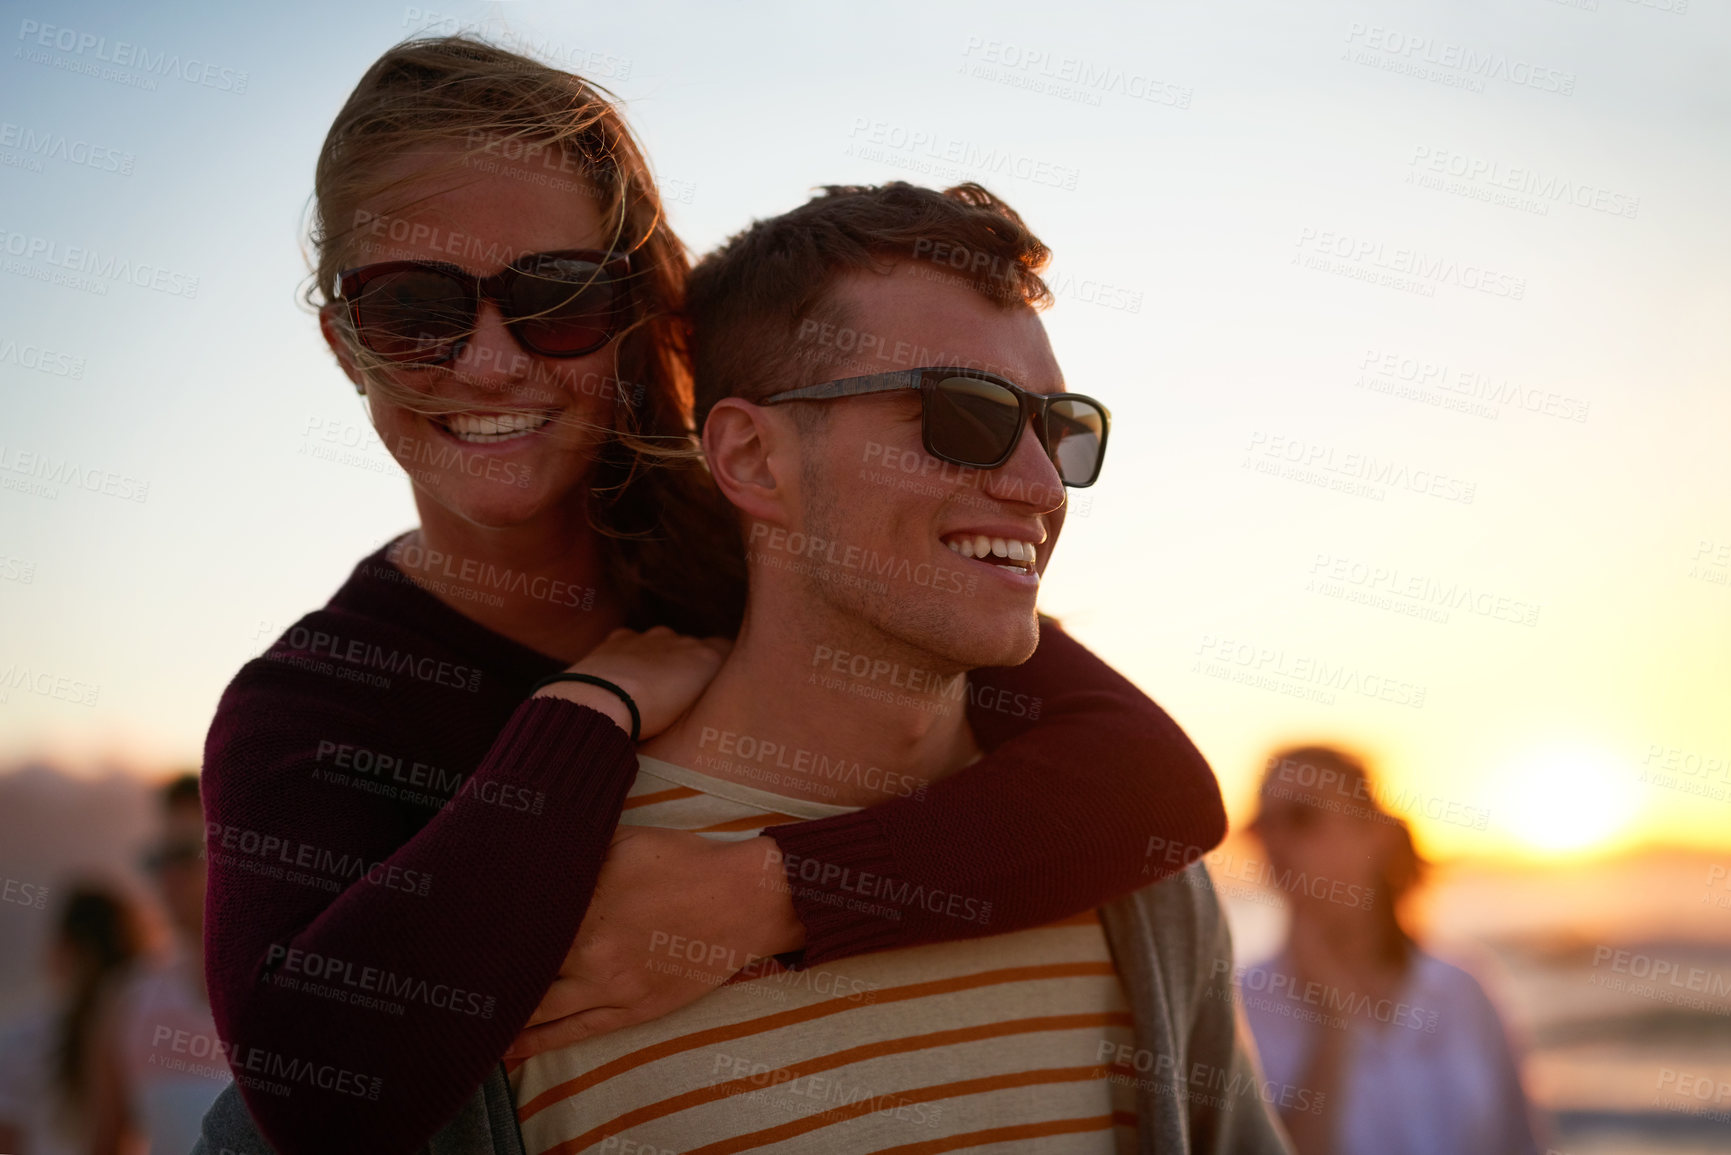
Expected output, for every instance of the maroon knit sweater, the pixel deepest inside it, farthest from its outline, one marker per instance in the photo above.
(402, 847)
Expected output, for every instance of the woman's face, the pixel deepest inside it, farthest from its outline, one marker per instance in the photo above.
(1315, 847)
(463, 463)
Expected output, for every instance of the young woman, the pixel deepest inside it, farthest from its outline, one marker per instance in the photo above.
(405, 835)
(1408, 1055)
(53, 1076)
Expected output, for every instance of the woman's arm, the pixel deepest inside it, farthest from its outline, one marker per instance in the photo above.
(1088, 791)
(365, 977)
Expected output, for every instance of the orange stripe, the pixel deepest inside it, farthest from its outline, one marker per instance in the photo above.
(673, 795)
(804, 1014)
(746, 823)
(1004, 1135)
(860, 1054)
(1086, 918)
(916, 1095)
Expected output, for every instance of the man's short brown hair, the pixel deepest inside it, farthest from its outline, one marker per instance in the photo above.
(751, 304)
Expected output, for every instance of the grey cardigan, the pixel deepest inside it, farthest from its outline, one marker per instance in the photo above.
(1198, 1086)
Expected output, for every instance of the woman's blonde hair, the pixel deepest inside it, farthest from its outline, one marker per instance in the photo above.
(670, 540)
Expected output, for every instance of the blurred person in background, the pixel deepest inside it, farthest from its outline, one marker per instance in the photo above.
(159, 1062)
(51, 1073)
(1407, 1054)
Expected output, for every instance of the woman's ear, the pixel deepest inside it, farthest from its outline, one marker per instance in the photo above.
(752, 458)
(331, 324)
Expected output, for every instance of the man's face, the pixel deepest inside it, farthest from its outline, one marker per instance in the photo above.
(927, 540)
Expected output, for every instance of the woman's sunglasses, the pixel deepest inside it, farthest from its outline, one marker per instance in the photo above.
(560, 304)
(973, 418)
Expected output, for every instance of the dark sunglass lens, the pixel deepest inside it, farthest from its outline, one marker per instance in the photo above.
(972, 421)
(562, 307)
(1075, 432)
(414, 315)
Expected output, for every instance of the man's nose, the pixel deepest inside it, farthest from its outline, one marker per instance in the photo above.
(1029, 477)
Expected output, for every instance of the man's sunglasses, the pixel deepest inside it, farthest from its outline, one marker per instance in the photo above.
(560, 304)
(973, 418)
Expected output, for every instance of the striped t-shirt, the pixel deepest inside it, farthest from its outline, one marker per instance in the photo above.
(988, 1044)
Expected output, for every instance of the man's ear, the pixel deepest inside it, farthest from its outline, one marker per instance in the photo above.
(331, 324)
(754, 459)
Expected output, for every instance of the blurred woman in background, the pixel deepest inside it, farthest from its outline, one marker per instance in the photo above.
(51, 1072)
(1389, 1050)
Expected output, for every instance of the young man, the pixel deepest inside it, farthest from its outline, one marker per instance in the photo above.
(885, 412)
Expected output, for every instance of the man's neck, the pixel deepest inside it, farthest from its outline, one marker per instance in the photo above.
(780, 717)
(542, 584)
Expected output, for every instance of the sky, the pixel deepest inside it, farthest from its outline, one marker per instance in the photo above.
(1412, 318)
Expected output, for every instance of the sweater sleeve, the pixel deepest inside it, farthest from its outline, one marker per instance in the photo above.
(365, 975)
(1088, 791)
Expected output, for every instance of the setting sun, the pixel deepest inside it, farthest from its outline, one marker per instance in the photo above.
(1566, 802)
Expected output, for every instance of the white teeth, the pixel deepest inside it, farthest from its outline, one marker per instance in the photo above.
(1024, 553)
(487, 428)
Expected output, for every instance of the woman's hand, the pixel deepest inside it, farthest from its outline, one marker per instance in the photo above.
(664, 673)
(674, 916)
